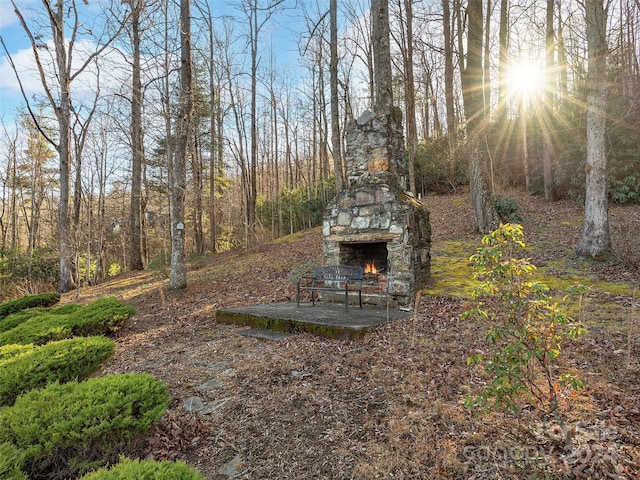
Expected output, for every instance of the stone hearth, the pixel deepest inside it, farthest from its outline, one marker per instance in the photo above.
(374, 221)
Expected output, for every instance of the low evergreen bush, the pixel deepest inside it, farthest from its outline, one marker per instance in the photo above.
(11, 462)
(30, 301)
(15, 319)
(32, 367)
(66, 430)
(507, 209)
(39, 327)
(9, 351)
(129, 469)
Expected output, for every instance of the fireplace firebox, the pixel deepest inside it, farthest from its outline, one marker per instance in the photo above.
(372, 256)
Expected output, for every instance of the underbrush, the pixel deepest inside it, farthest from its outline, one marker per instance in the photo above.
(625, 240)
(67, 430)
(30, 301)
(134, 469)
(25, 367)
(101, 317)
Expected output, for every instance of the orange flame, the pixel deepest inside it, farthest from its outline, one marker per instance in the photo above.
(370, 268)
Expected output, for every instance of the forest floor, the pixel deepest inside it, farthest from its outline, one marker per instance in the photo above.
(391, 405)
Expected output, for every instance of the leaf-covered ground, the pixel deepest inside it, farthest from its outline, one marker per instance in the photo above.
(390, 406)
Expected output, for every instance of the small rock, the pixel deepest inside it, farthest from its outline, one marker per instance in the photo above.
(193, 404)
(215, 406)
(211, 384)
(232, 468)
(218, 365)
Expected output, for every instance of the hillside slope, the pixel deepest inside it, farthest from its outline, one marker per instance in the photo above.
(390, 406)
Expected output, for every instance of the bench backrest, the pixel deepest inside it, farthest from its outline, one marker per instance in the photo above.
(338, 272)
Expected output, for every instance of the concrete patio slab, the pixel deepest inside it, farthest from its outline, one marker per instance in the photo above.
(323, 319)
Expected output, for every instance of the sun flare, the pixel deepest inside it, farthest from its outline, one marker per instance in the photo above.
(526, 79)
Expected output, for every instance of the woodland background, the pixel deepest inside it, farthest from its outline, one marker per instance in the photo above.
(264, 150)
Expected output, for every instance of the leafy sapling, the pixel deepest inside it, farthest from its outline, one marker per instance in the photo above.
(526, 329)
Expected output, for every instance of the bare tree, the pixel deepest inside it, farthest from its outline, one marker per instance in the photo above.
(448, 81)
(406, 47)
(595, 241)
(481, 194)
(383, 102)
(215, 123)
(58, 93)
(137, 143)
(547, 148)
(257, 15)
(178, 273)
(336, 142)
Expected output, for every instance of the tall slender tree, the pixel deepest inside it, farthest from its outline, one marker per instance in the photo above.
(137, 144)
(383, 101)
(336, 142)
(409, 92)
(57, 88)
(178, 273)
(547, 106)
(595, 241)
(257, 15)
(448, 80)
(472, 90)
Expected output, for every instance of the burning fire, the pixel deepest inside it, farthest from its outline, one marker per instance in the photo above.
(370, 268)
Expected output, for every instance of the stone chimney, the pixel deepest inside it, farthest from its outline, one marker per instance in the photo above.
(374, 146)
(373, 220)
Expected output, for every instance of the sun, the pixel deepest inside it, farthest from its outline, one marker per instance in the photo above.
(525, 79)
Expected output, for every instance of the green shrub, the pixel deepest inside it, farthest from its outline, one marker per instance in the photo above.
(30, 301)
(149, 470)
(11, 461)
(17, 318)
(507, 209)
(98, 318)
(13, 349)
(526, 331)
(63, 361)
(66, 430)
(437, 170)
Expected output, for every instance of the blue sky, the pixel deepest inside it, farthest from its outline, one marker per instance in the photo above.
(15, 39)
(282, 36)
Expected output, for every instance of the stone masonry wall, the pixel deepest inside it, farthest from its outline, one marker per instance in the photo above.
(374, 144)
(375, 208)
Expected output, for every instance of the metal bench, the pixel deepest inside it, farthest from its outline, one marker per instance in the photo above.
(334, 278)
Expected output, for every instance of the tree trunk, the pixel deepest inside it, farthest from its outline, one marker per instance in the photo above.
(595, 241)
(481, 195)
(336, 142)
(383, 102)
(486, 78)
(503, 59)
(253, 165)
(448, 84)
(547, 149)
(178, 273)
(562, 59)
(63, 115)
(196, 173)
(135, 222)
(409, 95)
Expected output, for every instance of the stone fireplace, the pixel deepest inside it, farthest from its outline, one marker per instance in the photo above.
(373, 222)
